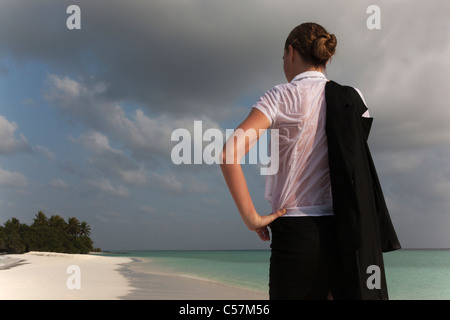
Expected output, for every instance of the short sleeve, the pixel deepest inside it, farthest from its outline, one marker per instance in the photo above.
(269, 104)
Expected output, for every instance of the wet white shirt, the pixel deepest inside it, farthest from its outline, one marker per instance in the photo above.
(298, 110)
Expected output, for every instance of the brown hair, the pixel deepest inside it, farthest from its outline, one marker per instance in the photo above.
(314, 44)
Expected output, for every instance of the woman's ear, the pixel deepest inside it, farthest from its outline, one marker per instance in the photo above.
(291, 53)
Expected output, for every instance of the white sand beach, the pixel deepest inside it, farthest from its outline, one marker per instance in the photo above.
(47, 275)
(55, 276)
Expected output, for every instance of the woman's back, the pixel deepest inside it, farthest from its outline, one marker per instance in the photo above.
(298, 111)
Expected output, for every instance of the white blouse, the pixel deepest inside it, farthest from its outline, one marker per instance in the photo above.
(298, 110)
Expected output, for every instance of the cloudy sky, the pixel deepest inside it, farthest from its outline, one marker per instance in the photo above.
(86, 116)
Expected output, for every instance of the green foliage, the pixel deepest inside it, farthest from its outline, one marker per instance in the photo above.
(46, 234)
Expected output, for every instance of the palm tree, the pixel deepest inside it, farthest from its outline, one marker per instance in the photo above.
(57, 222)
(13, 222)
(73, 226)
(41, 219)
(85, 229)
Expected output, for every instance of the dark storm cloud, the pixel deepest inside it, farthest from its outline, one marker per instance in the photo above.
(172, 56)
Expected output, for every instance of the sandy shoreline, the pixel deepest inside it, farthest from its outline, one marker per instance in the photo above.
(158, 285)
(55, 276)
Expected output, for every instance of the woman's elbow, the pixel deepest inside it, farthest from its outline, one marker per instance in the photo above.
(227, 158)
(223, 157)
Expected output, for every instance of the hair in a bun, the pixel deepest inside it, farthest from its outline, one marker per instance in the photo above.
(314, 44)
(324, 47)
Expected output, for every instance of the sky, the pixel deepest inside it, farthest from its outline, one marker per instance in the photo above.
(86, 115)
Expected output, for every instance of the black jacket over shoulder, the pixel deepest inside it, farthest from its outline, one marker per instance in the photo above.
(364, 228)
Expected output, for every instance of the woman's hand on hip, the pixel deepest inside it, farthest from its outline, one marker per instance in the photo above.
(260, 223)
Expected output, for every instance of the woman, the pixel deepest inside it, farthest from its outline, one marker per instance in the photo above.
(304, 261)
(300, 190)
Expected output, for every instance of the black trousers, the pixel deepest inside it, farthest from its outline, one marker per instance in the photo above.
(303, 258)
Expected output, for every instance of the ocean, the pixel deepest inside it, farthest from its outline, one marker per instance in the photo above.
(411, 274)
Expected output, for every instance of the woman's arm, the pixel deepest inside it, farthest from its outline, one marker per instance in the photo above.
(237, 146)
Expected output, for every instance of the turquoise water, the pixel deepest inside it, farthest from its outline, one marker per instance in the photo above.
(418, 274)
(411, 274)
(247, 269)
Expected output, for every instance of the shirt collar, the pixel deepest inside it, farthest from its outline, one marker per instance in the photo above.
(309, 74)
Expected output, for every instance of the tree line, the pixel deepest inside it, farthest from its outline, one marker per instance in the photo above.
(52, 234)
